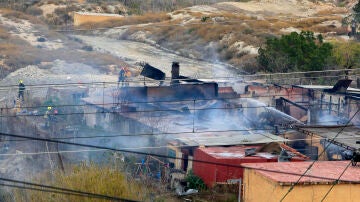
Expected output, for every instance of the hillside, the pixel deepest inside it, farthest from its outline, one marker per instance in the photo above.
(227, 32)
(231, 32)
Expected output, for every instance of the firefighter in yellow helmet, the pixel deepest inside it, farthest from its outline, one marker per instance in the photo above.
(47, 117)
(21, 90)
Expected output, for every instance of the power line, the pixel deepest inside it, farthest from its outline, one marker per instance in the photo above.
(243, 99)
(120, 101)
(145, 147)
(42, 190)
(225, 77)
(153, 134)
(164, 156)
(164, 134)
(151, 154)
(311, 165)
(62, 190)
(146, 111)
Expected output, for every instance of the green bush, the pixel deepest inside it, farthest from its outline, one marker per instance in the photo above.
(195, 182)
(34, 11)
(295, 52)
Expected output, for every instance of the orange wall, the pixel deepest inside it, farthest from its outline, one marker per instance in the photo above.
(258, 188)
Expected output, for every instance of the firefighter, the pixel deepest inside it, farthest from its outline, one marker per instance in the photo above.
(21, 90)
(121, 76)
(47, 117)
(127, 75)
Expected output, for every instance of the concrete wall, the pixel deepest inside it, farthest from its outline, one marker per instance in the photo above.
(353, 105)
(215, 171)
(258, 188)
(309, 140)
(178, 154)
(82, 18)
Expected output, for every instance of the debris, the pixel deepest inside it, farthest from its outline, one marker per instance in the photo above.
(41, 39)
(187, 192)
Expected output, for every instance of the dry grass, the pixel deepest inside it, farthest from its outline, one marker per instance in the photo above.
(309, 22)
(277, 26)
(88, 178)
(130, 20)
(328, 12)
(16, 15)
(4, 34)
(235, 16)
(195, 38)
(259, 24)
(323, 29)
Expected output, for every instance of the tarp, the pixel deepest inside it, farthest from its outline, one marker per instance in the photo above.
(152, 72)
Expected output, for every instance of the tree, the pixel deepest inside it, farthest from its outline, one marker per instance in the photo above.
(347, 54)
(294, 52)
(356, 10)
(353, 18)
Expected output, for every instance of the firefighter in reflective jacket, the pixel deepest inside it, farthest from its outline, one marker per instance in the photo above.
(121, 76)
(47, 117)
(21, 90)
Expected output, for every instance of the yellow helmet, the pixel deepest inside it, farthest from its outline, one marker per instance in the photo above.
(49, 108)
(21, 81)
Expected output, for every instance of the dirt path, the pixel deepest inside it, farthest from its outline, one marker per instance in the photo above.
(133, 52)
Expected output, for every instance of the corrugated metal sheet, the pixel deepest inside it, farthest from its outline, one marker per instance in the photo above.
(213, 173)
(227, 138)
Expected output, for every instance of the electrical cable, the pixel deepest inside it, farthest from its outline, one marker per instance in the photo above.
(152, 154)
(181, 101)
(228, 77)
(144, 111)
(311, 165)
(164, 110)
(162, 134)
(154, 134)
(62, 190)
(155, 147)
(157, 101)
(42, 190)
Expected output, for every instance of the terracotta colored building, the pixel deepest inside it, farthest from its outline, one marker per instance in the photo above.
(260, 185)
(226, 160)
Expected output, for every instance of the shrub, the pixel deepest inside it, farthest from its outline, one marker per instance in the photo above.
(16, 15)
(195, 182)
(347, 54)
(34, 11)
(87, 48)
(295, 52)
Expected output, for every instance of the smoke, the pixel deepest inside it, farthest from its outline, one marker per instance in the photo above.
(268, 115)
(327, 119)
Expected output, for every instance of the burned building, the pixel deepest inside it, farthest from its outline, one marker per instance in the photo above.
(311, 104)
(187, 108)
